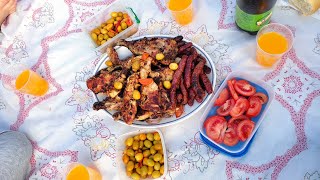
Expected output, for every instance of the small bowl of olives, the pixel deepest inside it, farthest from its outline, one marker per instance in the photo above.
(142, 155)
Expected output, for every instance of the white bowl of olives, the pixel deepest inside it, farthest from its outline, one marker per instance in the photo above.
(142, 154)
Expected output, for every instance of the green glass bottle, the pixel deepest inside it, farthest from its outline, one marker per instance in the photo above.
(251, 15)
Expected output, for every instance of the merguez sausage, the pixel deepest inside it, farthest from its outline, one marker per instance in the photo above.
(191, 97)
(184, 92)
(184, 47)
(176, 79)
(188, 69)
(196, 81)
(206, 82)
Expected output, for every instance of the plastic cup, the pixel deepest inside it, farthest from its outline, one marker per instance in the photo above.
(267, 59)
(78, 171)
(183, 16)
(21, 78)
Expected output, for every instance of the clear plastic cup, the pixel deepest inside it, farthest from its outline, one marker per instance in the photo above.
(183, 16)
(267, 59)
(20, 78)
(77, 171)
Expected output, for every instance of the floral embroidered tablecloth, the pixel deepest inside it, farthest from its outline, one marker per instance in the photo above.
(63, 128)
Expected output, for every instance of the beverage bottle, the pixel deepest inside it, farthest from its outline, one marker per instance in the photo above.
(251, 15)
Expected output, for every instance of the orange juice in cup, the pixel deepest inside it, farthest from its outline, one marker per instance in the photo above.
(30, 82)
(77, 171)
(273, 41)
(181, 10)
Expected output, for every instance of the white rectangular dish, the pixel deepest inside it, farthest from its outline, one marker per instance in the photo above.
(240, 148)
(121, 147)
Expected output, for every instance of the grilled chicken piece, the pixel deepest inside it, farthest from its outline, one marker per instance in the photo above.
(102, 82)
(165, 74)
(114, 58)
(130, 106)
(153, 46)
(150, 98)
(145, 68)
(144, 115)
(109, 104)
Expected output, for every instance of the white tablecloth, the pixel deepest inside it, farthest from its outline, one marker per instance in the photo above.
(63, 128)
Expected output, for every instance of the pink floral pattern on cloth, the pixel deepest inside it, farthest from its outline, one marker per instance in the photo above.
(50, 164)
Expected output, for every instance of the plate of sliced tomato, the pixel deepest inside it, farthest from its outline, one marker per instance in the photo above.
(235, 113)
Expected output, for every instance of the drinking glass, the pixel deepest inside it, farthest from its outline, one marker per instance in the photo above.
(269, 59)
(21, 78)
(181, 10)
(78, 171)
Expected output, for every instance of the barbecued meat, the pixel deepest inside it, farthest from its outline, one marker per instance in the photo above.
(129, 109)
(165, 74)
(103, 81)
(109, 104)
(153, 46)
(150, 98)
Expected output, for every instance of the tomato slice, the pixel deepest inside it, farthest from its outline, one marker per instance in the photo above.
(241, 106)
(225, 109)
(244, 88)
(223, 97)
(245, 129)
(233, 122)
(255, 106)
(230, 137)
(263, 97)
(232, 91)
(179, 110)
(215, 127)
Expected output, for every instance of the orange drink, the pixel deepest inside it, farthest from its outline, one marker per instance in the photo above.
(77, 171)
(31, 83)
(273, 41)
(181, 10)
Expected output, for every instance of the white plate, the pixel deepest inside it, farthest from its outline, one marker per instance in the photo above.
(188, 111)
(121, 147)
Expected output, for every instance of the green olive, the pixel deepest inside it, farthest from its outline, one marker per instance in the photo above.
(162, 160)
(146, 153)
(138, 170)
(124, 25)
(152, 150)
(130, 166)
(130, 152)
(147, 143)
(140, 144)
(132, 158)
(144, 171)
(156, 142)
(94, 36)
(125, 159)
(145, 161)
(143, 137)
(129, 141)
(157, 166)
(150, 170)
(135, 176)
(150, 162)
(150, 136)
(156, 136)
(100, 37)
(110, 21)
(135, 65)
(135, 145)
(155, 174)
(139, 157)
(157, 157)
(158, 147)
(162, 169)
(137, 137)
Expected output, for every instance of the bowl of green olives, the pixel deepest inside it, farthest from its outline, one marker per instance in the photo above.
(142, 155)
